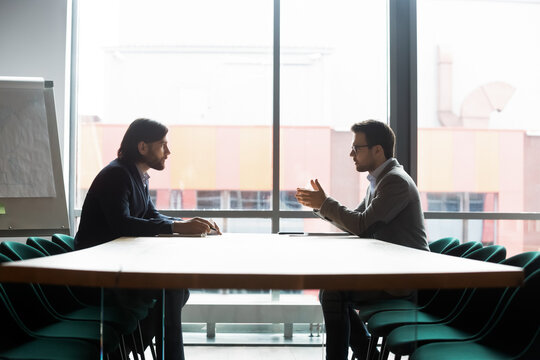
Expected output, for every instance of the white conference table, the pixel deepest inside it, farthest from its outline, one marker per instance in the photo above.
(259, 261)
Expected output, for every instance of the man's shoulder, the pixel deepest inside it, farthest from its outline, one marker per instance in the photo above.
(115, 169)
(117, 166)
(396, 176)
(395, 172)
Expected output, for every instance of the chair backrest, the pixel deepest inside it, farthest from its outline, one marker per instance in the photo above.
(442, 245)
(465, 248)
(19, 251)
(529, 261)
(59, 297)
(65, 241)
(490, 253)
(45, 246)
(532, 351)
(485, 303)
(517, 324)
(4, 258)
(14, 332)
(450, 301)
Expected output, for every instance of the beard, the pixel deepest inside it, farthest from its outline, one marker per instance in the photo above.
(155, 163)
(370, 166)
(361, 168)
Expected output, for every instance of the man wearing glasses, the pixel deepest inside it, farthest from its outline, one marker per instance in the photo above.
(391, 211)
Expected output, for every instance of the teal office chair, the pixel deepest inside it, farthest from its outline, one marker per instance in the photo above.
(424, 297)
(20, 343)
(62, 303)
(81, 294)
(25, 301)
(473, 319)
(490, 253)
(65, 241)
(513, 335)
(45, 246)
(442, 245)
(126, 319)
(441, 308)
(463, 249)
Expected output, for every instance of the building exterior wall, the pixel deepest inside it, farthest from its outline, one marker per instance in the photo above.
(500, 164)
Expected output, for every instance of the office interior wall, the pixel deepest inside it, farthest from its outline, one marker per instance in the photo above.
(33, 42)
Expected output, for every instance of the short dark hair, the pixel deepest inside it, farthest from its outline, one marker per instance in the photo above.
(140, 130)
(377, 133)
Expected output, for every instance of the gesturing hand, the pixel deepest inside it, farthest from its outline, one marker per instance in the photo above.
(311, 198)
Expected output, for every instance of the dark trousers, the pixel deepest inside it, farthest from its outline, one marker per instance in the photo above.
(344, 327)
(164, 320)
(170, 329)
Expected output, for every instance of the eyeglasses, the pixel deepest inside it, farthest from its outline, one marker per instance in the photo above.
(356, 147)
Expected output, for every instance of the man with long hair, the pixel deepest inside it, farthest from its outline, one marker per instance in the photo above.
(118, 204)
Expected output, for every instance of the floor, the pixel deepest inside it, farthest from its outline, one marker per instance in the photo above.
(261, 347)
(255, 353)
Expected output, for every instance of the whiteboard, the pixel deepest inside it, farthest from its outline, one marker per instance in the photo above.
(32, 193)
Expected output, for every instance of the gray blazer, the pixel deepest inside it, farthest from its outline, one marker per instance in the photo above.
(393, 214)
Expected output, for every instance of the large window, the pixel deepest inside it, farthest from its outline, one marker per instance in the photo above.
(478, 91)
(202, 68)
(232, 92)
(208, 72)
(333, 74)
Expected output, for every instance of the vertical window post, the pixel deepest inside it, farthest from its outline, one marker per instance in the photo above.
(73, 118)
(275, 122)
(402, 81)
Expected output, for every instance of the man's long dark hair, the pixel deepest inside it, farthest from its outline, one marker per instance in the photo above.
(140, 130)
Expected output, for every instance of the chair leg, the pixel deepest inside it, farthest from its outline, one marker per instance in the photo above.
(369, 347)
(384, 351)
(123, 351)
(153, 350)
(135, 350)
(141, 339)
(372, 347)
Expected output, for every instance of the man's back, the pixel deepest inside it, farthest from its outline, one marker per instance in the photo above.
(116, 205)
(403, 222)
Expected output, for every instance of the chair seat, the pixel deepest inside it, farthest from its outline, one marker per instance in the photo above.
(86, 330)
(53, 349)
(122, 321)
(366, 311)
(468, 350)
(405, 339)
(384, 322)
